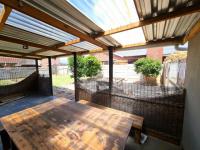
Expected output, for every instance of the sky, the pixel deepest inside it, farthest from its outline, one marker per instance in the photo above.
(109, 14)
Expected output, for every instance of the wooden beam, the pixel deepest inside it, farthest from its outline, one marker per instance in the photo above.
(44, 17)
(18, 41)
(162, 17)
(4, 16)
(19, 53)
(50, 76)
(75, 77)
(60, 45)
(192, 33)
(25, 57)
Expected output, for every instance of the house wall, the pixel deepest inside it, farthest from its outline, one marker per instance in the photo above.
(155, 53)
(191, 126)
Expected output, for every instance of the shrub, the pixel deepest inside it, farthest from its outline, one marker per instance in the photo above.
(148, 67)
(92, 66)
(88, 66)
(80, 65)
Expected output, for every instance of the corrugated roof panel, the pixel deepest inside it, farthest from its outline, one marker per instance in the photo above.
(50, 53)
(109, 41)
(15, 47)
(72, 48)
(108, 14)
(14, 32)
(130, 37)
(30, 24)
(86, 45)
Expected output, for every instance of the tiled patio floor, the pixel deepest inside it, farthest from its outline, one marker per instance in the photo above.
(151, 144)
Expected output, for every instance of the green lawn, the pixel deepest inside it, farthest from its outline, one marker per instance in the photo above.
(62, 80)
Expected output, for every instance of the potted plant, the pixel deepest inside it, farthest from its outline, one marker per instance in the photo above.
(149, 68)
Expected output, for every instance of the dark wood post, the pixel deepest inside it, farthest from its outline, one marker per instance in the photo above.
(50, 76)
(75, 77)
(36, 66)
(110, 51)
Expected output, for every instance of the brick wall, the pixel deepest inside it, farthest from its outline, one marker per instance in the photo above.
(155, 53)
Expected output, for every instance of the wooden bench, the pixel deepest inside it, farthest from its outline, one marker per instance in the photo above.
(137, 120)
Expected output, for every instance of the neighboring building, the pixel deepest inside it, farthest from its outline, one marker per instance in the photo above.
(128, 57)
(13, 62)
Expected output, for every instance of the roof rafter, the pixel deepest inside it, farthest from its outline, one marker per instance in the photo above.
(169, 15)
(60, 45)
(17, 53)
(26, 57)
(18, 41)
(37, 14)
(160, 42)
(193, 32)
(4, 15)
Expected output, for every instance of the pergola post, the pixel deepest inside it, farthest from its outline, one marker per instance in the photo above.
(50, 76)
(110, 51)
(75, 77)
(36, 66)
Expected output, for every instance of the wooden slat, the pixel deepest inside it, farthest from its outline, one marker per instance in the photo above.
(14, 56)
(193, 32)
(159, 18)
(138, 120)
(60, 45)
(35, 13)
(63, 124)
(19, 53)
(18, 41)
(4, 15)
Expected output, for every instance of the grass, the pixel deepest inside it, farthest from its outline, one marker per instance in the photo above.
(62, 80)
(6, 82)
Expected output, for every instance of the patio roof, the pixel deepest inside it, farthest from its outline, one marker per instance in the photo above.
(37, 29)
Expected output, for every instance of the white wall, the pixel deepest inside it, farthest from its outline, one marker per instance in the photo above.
(191, 126)
(121, 71)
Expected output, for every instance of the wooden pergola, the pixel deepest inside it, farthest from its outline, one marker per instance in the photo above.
(174, 12)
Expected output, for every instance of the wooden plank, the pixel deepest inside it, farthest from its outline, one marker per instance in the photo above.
(192, 33)
(18, 41)
(159, 18)
(63, 124)
(44, 17)
(15, 56)
(138, 120)
(19, 53)
(4, 16)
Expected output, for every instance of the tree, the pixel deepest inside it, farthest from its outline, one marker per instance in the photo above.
(148, 67)
(88, 66)
(92, 66)
(80, 65)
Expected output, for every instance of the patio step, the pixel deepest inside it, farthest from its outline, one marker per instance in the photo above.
(137, 120)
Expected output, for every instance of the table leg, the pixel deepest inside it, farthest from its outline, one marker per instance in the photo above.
(5, 140)
(137, 136)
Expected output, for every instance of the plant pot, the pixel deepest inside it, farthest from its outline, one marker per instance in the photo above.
(150, 80)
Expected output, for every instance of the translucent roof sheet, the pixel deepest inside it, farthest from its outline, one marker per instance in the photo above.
(30, 24)
(86, 45)
(112, 14)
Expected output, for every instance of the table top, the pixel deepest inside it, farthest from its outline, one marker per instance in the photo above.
(63, 124)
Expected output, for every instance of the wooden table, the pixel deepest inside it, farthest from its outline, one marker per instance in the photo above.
(63, 124)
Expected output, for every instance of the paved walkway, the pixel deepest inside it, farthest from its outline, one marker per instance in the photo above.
(64, 92)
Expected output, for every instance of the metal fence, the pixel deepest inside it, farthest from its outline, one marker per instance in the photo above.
(162, 107)
(12, 75)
